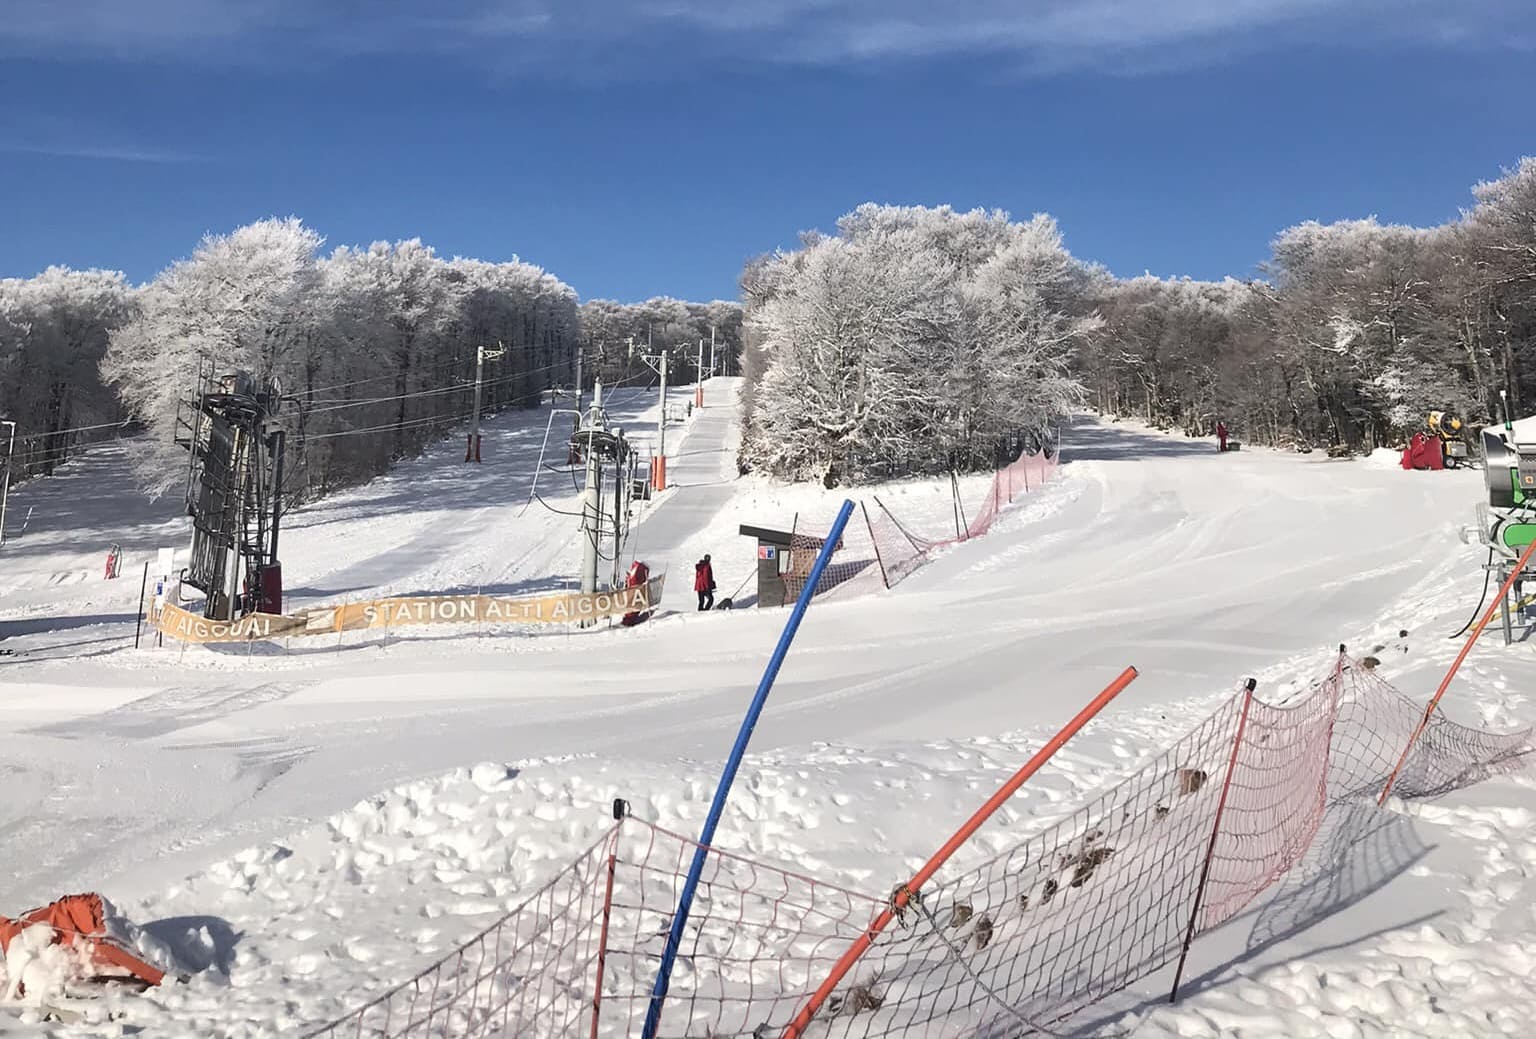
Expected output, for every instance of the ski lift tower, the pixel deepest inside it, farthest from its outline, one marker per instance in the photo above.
(234, 476)
(599, 446)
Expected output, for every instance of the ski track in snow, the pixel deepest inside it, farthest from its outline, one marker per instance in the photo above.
(229, 798)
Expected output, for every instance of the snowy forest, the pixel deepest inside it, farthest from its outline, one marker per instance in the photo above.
(920, 340)
(374, 348)
(911, 340)
(618, 335)
(1356, 331)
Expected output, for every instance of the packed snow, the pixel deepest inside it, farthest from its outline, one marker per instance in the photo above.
(296, 827)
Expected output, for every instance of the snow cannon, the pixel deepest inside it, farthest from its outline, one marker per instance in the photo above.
(1506, 518)
(1439, 445)
(1509, 451)
(1449, 430)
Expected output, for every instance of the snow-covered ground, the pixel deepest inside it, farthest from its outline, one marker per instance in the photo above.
(313, 824)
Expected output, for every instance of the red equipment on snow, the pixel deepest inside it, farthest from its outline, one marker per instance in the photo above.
(638, 575)
(1423, 452)
(81, 921)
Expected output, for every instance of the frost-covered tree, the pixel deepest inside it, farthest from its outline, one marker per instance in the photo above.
(239, 303)
(915, 340)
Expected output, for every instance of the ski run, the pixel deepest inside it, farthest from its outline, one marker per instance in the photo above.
(297, 827)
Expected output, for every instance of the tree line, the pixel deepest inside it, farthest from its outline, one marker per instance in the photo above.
(1355, 332)
(373, 349)
(926, 340)
(912, 339)
(617, 337)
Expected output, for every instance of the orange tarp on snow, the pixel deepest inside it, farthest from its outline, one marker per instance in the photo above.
(82, 918)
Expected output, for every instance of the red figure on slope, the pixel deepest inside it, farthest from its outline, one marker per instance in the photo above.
(704, 582)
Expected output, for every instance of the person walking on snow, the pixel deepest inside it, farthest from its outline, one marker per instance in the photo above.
(1221, 436)
(704, 582)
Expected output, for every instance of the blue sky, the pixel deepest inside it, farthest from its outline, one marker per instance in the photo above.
(647, 148)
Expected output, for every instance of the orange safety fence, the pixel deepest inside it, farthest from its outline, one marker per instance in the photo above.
(883, 550)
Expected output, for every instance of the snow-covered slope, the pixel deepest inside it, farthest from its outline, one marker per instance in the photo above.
(257, 776)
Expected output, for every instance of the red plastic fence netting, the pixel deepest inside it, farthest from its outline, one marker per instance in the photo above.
(1066, 916)
(903, 550)
(854, 567)
(1019, 477)
(1086, 907)
(879, 550)
(579, 958)
(534, 972)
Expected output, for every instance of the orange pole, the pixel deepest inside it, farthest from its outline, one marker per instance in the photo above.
(602, 942)
(907, 891)
(1445, 682)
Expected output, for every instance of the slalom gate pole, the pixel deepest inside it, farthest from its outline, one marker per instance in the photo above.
(909, 891)
(1210, 849)
(732, 764)
(1493, 607)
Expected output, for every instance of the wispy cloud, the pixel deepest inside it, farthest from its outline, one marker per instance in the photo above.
(1044, 34)
(99, 152)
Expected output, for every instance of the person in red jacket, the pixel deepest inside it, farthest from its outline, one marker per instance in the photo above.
(1221, 436)
(704, 582)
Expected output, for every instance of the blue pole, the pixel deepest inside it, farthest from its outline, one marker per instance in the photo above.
(680, 918)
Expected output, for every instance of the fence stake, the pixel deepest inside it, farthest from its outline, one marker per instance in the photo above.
(139, 622)
(1210, 851)
(954, 508)
(961, 526)
(732, 764)
(1445, 682)
(909, 890)
(884, 577)
(602, 941)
